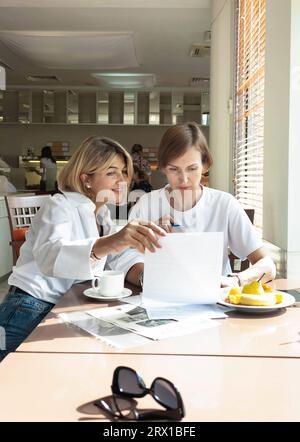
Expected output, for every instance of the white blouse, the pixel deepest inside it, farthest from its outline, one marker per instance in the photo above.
(56, 253)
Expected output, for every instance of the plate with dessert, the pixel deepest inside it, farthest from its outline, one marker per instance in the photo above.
(255, 298)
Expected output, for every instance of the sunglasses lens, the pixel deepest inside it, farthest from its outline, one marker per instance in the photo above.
(129, 382)
(117, 406)
(165, 394)
(125, 406)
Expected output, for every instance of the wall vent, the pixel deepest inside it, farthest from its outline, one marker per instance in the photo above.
(207, 36)
(196, 81)
(42, 78)
(200, 50)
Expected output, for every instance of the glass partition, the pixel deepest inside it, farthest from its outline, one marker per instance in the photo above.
(205, 109)
(177, 107)
(1, 105)
(154, 108)
(102, 107)
(84, 106)
(24, 107)
(48, 101)
(129, 107)
(192, 106)
(72, 107)
(165, 108)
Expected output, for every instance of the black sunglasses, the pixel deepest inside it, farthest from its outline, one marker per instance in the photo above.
(127, 384)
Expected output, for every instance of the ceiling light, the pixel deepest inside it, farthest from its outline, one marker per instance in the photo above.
(123, 80)
(42, 78)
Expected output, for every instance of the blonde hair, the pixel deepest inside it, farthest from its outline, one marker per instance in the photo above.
(94, 154)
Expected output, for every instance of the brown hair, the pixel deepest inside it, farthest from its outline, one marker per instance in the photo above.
(137, 148)
(94, 154)
(177, 139)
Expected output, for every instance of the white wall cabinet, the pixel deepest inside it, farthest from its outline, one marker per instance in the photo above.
(95, 106)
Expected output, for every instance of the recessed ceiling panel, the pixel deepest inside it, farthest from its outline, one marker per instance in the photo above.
(125, 80)
(73, 50)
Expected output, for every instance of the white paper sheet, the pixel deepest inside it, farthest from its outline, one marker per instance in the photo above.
(136, 319)
(187, 269)
(185, 311)
(158, 310)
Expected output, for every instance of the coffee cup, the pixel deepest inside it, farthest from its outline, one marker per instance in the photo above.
(110, 283)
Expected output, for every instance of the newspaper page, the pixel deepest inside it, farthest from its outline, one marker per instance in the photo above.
(108, 333)
(136, 319)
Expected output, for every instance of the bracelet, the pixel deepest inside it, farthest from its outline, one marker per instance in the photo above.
(94, 256)
(141, 278)
(237, 276)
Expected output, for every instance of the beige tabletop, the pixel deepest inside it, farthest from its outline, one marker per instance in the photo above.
(276, 334)
(62, 387)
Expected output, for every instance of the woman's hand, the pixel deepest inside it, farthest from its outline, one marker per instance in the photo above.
(229, 281)
(138, 234)
(165, 222)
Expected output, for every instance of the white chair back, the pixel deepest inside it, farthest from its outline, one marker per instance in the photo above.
(21, 209)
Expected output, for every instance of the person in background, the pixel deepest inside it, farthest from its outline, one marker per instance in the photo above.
(139, 160)
(184, 205)
(72, 238)
(140, 180)
(48, 170)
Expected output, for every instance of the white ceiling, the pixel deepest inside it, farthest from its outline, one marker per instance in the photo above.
(163, 33)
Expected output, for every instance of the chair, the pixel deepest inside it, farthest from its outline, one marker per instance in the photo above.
(21, 210)
(236, 264)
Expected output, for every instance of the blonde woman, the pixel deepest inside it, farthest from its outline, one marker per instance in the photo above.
(63, 246)
(184, 205)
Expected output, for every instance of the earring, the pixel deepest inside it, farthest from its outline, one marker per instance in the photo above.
(88, 186)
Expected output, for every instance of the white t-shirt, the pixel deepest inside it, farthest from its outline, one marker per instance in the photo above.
(47, 163)
(216, 211)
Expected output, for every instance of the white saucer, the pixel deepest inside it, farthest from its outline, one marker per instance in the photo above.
(91, 293)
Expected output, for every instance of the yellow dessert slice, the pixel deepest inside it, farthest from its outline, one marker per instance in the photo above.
(233, 299)
(267, 288)
(254, 288)
(279, 298)
(258, 300)
(235, 291)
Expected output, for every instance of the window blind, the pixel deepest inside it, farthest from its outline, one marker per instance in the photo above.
(249, 105)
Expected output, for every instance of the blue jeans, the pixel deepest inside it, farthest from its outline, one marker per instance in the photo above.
(20, 313)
